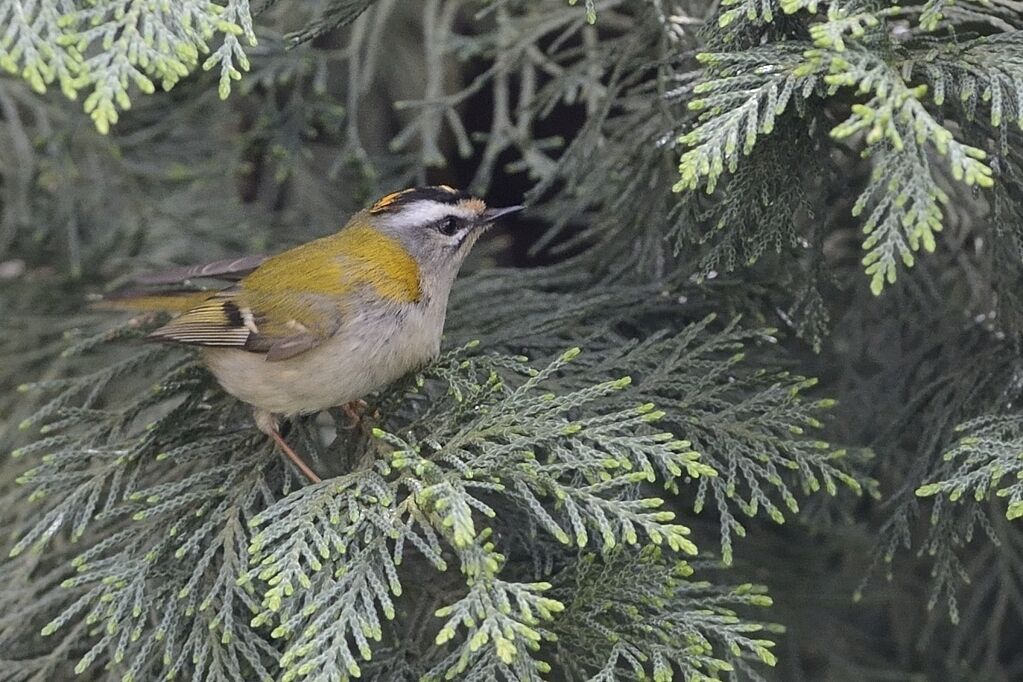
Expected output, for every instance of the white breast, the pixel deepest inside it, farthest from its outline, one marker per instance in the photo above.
(371, 350)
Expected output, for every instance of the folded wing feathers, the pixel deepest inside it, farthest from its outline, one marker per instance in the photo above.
(221, 322)
(230, 268)
(217, 322)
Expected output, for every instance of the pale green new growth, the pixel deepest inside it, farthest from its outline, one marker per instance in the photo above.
(743, 92)
(519, 511)
(499, 454)
(591, 9)
(760, 450)
(735, 108)
(979, 463)
(105, 49)
(632, 641)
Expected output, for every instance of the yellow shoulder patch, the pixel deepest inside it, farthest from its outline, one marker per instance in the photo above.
(369, 257)
(335, 265)
(307, 267)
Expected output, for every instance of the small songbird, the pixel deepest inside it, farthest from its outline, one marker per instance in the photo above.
(330, 321)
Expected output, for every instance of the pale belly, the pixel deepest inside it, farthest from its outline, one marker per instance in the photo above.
(365, 355)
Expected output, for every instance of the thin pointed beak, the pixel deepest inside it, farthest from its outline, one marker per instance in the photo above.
(492, 214)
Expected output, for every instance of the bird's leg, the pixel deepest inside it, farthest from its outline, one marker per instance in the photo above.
(354, 410)
(267, 423)
(294, 457)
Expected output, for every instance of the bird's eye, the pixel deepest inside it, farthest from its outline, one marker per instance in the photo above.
(448, 226)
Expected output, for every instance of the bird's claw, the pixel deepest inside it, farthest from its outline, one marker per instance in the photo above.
(355, 410)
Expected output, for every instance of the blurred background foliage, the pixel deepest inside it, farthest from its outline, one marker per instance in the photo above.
(699, 177)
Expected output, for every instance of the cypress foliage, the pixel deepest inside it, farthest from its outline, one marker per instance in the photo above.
(739, 398)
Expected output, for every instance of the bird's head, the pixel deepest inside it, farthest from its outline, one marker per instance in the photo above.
(437, 225)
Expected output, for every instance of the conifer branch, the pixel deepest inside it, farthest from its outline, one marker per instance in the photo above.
(141, 41)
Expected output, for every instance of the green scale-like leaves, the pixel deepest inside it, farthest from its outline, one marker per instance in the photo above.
(196, 557)
(514, 519)
(140, 41)
(980, 462)
(904, 202)
(753, 88)
(518, 448)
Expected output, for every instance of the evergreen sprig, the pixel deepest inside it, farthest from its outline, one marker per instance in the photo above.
(141, 41)
(184, 524)
(572, 476)
(903, 191)
(904, 201)
(741, 103)
(583, 104)
(759, 444)
(991, 450)
(641, 617)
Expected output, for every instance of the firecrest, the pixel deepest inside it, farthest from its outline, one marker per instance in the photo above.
(330, 321)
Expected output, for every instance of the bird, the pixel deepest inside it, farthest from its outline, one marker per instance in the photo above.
(330, 321)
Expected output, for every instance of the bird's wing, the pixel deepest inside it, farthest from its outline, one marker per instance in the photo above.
(294, 301)
(279, 326)
(286, 306)
(171, 290)
(230, 268)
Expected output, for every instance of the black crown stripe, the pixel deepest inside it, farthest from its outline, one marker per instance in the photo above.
(441, 194)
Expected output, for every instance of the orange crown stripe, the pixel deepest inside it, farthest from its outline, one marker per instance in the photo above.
(386, 201)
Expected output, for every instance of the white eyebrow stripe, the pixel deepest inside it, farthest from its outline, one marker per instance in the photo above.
(425, 212)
